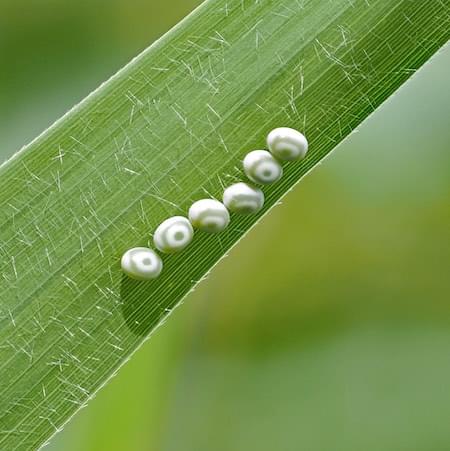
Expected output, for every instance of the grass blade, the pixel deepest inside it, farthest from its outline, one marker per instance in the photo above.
(169, 128)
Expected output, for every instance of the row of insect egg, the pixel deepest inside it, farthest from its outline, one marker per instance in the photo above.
(210, 215)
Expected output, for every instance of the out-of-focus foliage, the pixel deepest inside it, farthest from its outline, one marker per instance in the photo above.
(341, 342)
(338, 339)
(53, 53)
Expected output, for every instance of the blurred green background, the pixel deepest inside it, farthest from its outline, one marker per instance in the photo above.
(327, 328)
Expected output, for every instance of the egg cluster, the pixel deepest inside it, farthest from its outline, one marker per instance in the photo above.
(262, 167)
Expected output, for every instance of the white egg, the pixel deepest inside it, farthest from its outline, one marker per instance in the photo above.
(173, 235)
(243, 198)
(287, 144)
(141, 263)
(261, 167)
(209, 215)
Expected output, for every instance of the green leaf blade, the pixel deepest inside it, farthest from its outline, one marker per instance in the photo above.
(170, 128)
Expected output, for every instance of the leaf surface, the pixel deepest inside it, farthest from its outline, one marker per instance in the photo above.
(170, 128)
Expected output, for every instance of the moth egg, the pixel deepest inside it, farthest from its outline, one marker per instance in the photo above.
(173, 235)
(141, 263)
(209, 215)
(243, 198)
(261, 167)
(287, 144)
